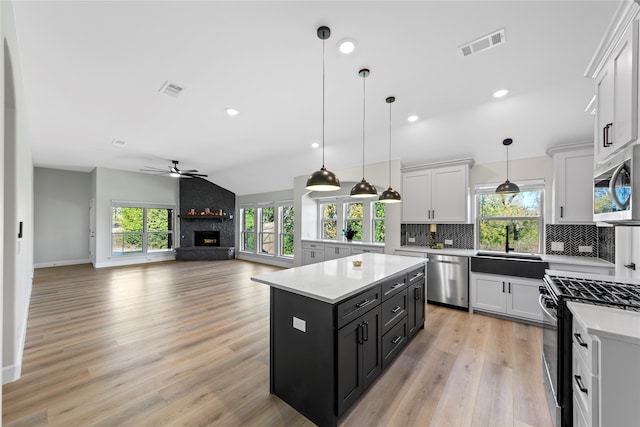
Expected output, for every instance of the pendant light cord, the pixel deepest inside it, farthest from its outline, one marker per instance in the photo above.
(323, 40)
(364, 76)
(507, 163)
(389, 144)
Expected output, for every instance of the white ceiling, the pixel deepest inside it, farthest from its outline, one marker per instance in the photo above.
(92, 71)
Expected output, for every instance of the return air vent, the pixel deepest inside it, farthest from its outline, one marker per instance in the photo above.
(483, 43)
(171, 89)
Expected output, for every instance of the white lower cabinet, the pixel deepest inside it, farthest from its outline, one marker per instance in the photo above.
(605, 367)
(507, 295)
(314, 251)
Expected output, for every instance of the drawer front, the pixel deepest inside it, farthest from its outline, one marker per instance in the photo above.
(356, 306)
(393, 286)
(585, 387)
(366, 250)
(416, 275)
(316, 246)
(393, 341)
(585, 345)
(393, 310)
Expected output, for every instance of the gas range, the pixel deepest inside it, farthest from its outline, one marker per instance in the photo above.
(625, 296)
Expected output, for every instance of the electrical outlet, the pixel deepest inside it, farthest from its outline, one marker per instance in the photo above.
(585, 248)
(412, 239)
(448, 242)
(557, 246)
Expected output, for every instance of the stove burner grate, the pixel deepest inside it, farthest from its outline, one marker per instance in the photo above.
(614, 294)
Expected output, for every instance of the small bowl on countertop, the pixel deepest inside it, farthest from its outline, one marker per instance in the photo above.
(357, 263)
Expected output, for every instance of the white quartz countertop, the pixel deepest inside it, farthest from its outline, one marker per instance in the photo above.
(335, 280)
(607, 322)
(554, 259)
(344, 242)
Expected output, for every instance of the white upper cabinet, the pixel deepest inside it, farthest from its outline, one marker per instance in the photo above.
(615, 70)
(436, 193)
(572, 183)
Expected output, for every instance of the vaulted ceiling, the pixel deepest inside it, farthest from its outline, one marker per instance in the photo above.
(92, 71)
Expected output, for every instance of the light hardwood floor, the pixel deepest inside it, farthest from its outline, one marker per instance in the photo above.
(187, 343)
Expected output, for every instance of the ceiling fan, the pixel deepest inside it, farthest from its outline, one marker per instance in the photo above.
(174, 171)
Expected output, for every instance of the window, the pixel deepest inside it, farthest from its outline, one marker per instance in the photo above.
(247, 229)
(141, 229)
(267, 230)
(286, 230)
(378, 215)
(329, 220)
(520, 215)
(353, 218)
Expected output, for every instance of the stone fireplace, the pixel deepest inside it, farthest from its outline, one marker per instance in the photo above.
(207, 232)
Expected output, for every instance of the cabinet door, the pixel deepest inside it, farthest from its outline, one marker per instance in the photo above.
(522, 298)
(449, 194)
(617, 97)
(488, 293)
(335, 251)
(573, 187)
(311, 256)
(416, 311)
(359, 357)
(416, 196)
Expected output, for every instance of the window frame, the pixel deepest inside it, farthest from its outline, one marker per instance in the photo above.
(244, 231)
(525, 186)
(323, 220)
(362, 220)
(144, 233)
(261, 233)
(282, 234)
(375, 219)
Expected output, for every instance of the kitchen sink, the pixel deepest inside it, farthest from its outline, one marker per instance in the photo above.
(510, 255)
(509, 264)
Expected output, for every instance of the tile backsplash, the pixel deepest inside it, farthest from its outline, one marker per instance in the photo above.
(461, 235)
(601, 239)
(573, 237)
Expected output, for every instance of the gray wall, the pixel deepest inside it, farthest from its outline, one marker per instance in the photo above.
(61, 217)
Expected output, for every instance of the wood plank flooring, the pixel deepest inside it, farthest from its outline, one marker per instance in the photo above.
(187, 344)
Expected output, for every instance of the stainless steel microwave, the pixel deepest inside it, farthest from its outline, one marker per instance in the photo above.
(616, 189)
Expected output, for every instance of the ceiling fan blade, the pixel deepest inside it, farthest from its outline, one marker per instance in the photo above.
(196, 174)
(152, 168)
(189, 171)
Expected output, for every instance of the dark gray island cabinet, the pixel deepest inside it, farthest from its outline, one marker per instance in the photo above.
(335, 327)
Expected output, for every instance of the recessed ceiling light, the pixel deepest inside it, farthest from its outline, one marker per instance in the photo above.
(500, 93)
(412, 118)
(315, 145)
(232, 111)
(346, 46)
(119, 142)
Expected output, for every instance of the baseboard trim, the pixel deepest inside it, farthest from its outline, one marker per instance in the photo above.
(135, 260)
(278, 262)
(60, 263)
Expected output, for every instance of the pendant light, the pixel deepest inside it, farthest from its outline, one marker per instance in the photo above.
(323, 180)
(507, 186)
(390, 195)
(363, 188)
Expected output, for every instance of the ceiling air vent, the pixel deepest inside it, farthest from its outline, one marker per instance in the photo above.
(171, 89)
(483, 43)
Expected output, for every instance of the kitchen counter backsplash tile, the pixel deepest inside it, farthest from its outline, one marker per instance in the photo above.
(601, 239)
(460, 234)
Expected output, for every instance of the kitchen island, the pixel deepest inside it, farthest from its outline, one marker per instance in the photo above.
(335, 326)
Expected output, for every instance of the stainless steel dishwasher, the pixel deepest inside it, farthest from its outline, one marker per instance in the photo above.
(448, 280)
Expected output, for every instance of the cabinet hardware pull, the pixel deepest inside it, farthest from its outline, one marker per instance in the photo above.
(417, 293)
(631, 266)
(397, 285)
(366, 330)
(396, 340)
(561, 211)
(363, 303)
(509, 287)
(502, 287)
(581, 386)
(415, 276)
(579, 340)
(360, 333)
(605, 137)
(433, 214)
(397, 309)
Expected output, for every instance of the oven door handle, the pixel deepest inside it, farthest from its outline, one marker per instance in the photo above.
(541, 298)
